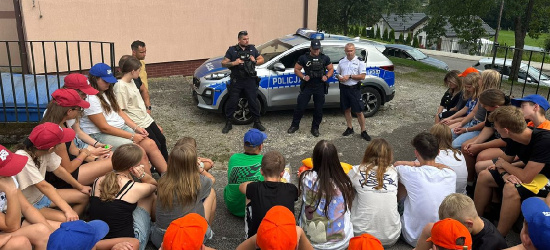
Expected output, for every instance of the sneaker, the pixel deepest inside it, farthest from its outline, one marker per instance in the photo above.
(348, 131)
(365, 136)
(258, 125)
(292, 129)
(315, 132)
(228, 126)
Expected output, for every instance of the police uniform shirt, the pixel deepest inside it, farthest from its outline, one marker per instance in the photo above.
(233, 54)
(353, 67)
(304, 61)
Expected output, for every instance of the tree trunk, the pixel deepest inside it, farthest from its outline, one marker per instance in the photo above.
(520, 31)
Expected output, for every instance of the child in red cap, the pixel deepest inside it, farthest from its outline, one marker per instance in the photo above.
(450, 234)
(186, 233)
(39, 149)
(19, 235)
(365, 242)
(277, 231)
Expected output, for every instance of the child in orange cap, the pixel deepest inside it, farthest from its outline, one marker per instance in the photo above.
(365, 242)
(277, 231)
(186, 233)
(450, 234)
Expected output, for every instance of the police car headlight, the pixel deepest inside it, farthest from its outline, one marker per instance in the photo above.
(208, 92)
(216, 76)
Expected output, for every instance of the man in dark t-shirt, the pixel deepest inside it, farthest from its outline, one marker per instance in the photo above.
(317, 70)
(242, 59)
(518, 181)
(263, 195)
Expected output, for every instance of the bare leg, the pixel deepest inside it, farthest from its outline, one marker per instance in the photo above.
(426, 233)
(53, 214)
(210, 207)
(17, 242)
(361, 119)
(155, 156)
(482, 165)
(108, 244)
(88, 172)
(37, 234)
(347, 114)
(470, 162)
(484, 191)
(75, 198)
(511, 204)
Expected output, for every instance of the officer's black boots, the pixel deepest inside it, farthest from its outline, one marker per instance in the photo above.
(258, 125)
(292, 129)
(228, 126)
(315, 132)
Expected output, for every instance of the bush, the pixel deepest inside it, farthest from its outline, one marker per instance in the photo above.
(386, 35)
(392, 36)
(401, 38)
(415, 42)
(377, 33)
(408, 41)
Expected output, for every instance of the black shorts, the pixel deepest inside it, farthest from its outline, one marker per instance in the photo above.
(350, 97)
(57, 182)
(524, 193)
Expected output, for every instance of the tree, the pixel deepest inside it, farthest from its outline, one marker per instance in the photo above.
(336, 16)
(401, 38)
(408, 41)
(415, 42)
(392, 36)
(386, 36)
(377, 33)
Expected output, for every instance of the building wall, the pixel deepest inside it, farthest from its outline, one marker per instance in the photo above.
(173, 30)
(8, 32)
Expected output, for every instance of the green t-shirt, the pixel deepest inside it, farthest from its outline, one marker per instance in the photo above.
(241, 168)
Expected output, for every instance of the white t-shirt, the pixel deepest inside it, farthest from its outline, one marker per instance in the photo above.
(353, 67)
(4, 199)
(426, 186)
(31, 175)
(112, 117)
(131, 102)
(374, 211)
(446, 157)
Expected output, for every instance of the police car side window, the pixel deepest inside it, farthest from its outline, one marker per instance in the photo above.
(334, 53)
(290, 60)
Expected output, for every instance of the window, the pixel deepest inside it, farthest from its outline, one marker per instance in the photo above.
(334, 53)
(290, 60)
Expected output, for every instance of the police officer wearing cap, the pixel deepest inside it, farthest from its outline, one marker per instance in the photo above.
(242, 59)
(318, 69)
(351, 71)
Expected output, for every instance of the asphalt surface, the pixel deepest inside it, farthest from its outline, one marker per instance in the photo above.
(455, 63)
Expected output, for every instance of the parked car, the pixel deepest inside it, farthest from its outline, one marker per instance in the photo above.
(279, 86)
(408, 52)
(533, 75)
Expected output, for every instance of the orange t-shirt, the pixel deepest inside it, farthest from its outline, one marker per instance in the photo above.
(543, 125)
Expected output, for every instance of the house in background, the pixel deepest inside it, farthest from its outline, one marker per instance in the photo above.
(414, 23)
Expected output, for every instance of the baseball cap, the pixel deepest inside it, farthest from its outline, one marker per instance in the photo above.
(538, 99)
(315, 44)
(185, 233)
(254, 137)
(47, 135)
(277, 231)
(104, 71)
(78, 235)
(365, 242)
(468, 71)
(69, 98)
(80, 82)
(10, 163)
(446, 232)
(537, 216)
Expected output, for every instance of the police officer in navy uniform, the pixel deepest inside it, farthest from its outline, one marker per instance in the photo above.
(318, 69)
(241, 59)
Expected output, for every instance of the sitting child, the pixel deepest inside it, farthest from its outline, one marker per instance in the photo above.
(263, 195)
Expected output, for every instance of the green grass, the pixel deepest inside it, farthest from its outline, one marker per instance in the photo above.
(506, 37)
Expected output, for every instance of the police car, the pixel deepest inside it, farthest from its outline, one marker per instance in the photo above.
(279, 86)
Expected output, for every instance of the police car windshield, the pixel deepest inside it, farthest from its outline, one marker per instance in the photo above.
(272, 49)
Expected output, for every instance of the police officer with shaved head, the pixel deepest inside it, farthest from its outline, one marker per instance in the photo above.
(242, 59)
(318, 69)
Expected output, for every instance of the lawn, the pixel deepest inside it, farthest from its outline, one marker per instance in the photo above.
(507, 37)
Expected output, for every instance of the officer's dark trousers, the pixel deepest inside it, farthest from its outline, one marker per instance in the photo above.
(250, 89)
(318, 93)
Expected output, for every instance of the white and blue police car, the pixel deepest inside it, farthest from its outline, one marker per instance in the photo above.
(279, 86)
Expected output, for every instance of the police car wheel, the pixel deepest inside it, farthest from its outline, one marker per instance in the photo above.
(242, 115)
(371, 101)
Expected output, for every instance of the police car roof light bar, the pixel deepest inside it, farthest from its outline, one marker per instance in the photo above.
(310, 34)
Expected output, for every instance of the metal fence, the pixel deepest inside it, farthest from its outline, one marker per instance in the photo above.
(531, 78)
(32, 70)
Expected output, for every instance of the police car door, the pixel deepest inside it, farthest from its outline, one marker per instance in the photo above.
(284, 85)
(335, 53)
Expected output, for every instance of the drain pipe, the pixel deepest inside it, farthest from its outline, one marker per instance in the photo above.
(21, 37)
(306, 9)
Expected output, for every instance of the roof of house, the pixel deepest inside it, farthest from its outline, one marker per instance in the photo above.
(409, 22)
(406, 22)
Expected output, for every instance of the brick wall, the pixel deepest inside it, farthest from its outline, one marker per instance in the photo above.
(185, 68)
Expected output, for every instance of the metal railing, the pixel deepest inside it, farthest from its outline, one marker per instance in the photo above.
(30, 71)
